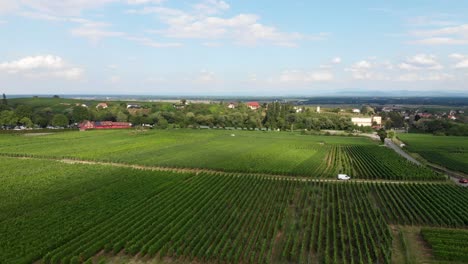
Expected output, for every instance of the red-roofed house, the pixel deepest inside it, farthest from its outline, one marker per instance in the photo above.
(102, 105)
(253, 105)
(103, 125)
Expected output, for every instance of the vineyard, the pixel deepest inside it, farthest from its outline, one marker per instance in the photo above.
(247, 152)
(447, 244)
(450, 152)
(70, 213)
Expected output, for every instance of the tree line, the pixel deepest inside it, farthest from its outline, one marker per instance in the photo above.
(272, 116)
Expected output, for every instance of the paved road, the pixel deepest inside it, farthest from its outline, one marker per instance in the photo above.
(389, 143)
(453, 175)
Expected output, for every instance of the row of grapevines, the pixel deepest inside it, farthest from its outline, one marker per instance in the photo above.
(447, 244)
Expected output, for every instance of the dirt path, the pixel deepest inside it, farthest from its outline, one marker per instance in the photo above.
(198, 170)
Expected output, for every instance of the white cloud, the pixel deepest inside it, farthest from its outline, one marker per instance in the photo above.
(32, 63)
(421, 62)
(424, 21)
(453, 35)
(366, 70)
(150, 43)
(243, 29)
(432, 76)
(462, 60)
(8, 6)
(211, 7)
(336, 60)
(95, 31)
(305, 77)
(42, 65)
(62, 8)
(114, 79)
(141, 2)
(206, 76)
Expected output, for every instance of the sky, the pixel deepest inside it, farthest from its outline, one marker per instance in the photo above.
(242, 47)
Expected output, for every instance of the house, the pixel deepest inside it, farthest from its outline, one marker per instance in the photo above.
(425, 115)
(231, 105)
(253, 105)
(318, 109)
(452, 117)
(103, 125)
(134, 106)
(179, 106)
(298, 109)
(101, 105)
(367, 121)
(357, 111)
(82, 105)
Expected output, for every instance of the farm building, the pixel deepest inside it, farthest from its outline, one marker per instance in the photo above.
(367, 121)
(103, 125)
(135, 106)
(102, 105)
(253, 105)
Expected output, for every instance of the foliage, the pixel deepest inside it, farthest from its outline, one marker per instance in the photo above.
(60, 120)
(80, 113)
(382, 134)
(448, 151)
(8, 118)
(447, 244)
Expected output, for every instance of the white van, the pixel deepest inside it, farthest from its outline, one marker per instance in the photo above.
(343, 177)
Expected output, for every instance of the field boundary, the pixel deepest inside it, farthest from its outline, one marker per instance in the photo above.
(69, 160)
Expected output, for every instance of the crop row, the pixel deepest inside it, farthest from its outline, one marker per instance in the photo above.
(447, 244)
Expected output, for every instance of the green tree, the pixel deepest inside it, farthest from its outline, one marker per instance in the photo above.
(26, 121)
(8, 118)
(24, 111)
(4, 100)
(121, 117)
(60, 120)
(382, 134)
(80, 114)
(162, 123)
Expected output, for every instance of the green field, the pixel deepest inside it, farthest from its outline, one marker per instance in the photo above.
(230, 151)
(71, 213)
(447, 151)
(447, 244)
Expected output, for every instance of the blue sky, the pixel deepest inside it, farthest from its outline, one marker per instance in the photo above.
(244, 47)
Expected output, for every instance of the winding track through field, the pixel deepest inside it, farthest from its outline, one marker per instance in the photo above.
(198, 170)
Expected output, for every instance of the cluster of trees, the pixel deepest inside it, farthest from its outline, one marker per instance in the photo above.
(166, 115)
(440, 127)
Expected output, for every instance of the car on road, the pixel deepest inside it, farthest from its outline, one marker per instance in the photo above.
(463, 180)
(343, 177)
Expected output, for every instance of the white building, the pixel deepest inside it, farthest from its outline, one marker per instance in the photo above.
(357, 111)
(367, 121)
(318, 109)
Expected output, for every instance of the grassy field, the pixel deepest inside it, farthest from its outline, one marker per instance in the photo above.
(72, 213)
(230, 151)
(449, 152)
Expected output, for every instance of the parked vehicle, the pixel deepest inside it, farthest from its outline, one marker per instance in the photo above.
(462, 180)
(343, 177)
